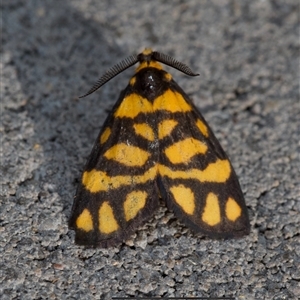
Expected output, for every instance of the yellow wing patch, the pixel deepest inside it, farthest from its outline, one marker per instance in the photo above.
(212, 213)
(233, 210)
(217, 172)
(184, 197)
(85, 221)
(105, 135)
(97, 181)
(134, 202)
(183, 151)
(107, 220)
(145, 131)
(130, 156)
(171, 101)
(165, 128)
(132, 81)
(202, 127)
(132, 106)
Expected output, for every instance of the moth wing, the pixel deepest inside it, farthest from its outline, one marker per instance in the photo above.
(118, 190)
(197, 179)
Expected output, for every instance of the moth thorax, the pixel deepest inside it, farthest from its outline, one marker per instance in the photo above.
(150, 83)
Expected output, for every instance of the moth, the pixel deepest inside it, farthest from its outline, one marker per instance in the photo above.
(155, 144)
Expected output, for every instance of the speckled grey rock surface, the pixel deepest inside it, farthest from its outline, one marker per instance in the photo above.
(247, 53)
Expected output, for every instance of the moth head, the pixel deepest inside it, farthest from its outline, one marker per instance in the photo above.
(145, 59)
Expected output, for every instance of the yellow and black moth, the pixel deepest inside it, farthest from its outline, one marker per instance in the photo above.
(154, 144)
